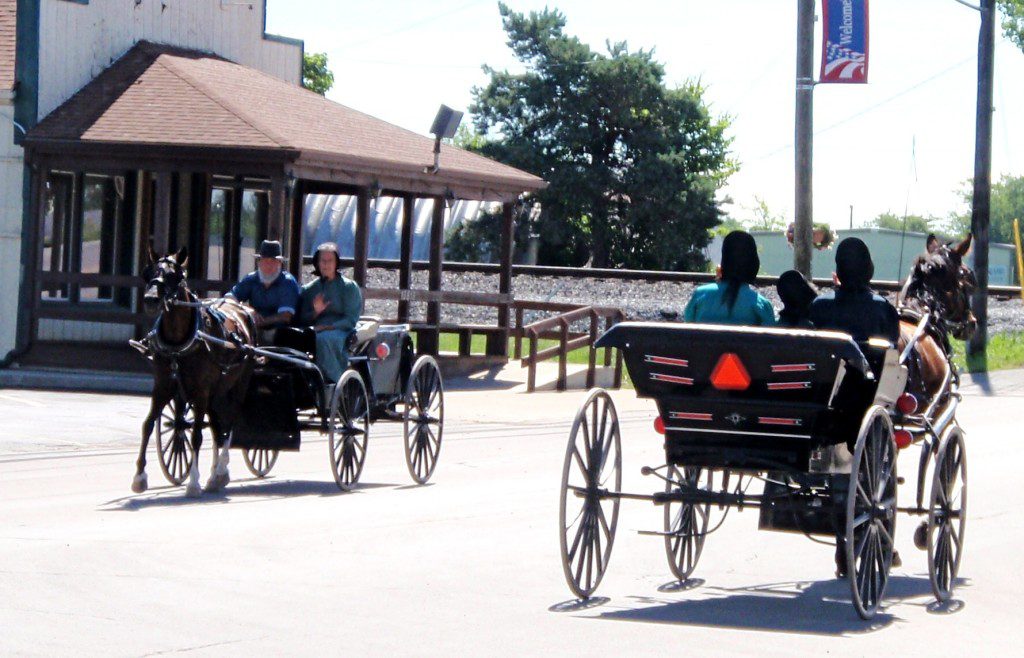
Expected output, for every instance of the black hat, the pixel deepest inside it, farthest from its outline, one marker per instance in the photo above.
(270, 249)
(325, 246)
(740, 261)
(794, 290)
(853, 264)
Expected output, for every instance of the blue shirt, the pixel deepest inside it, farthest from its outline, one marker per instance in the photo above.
(859, 313)
(282, 296)
(708, 305)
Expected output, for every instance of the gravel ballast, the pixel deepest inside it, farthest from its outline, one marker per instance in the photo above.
(639, 300)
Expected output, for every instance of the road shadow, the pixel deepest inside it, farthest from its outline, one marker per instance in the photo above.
(805, 607)
(814, 608)
(239, 491)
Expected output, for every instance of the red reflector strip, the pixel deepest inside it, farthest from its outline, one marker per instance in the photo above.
(793, 367)
(683, 415)
(769, 420)
(671, 379)
(787, 386)
(666, 361)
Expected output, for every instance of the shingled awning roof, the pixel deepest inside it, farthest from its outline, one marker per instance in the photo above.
(169, 98)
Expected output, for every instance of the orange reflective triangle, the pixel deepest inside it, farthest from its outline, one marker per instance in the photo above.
(729, 374)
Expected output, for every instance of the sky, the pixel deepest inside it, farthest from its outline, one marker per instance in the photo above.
(903, 143)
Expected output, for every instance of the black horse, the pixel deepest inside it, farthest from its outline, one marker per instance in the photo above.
(939, 286)
(192, 369)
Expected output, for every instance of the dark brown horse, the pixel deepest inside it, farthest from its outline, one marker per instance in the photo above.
(939, 286)
(212, 379)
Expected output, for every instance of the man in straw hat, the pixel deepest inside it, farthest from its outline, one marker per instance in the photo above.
(271, 291)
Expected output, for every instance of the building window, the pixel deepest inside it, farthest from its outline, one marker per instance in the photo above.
(238, 222)
(87, 229)
(57, 225)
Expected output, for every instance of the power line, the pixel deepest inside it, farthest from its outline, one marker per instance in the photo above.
(871, 108)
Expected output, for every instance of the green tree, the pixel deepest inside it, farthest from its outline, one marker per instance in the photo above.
(315, 74)
(913, 223)
(633, 166)
(1013, 20)
(764, 219)
(1005, 205)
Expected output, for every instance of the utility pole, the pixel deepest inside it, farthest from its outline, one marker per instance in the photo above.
(980, 210)
(804, 136)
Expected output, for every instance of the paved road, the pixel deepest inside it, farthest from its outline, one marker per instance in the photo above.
(466, 565)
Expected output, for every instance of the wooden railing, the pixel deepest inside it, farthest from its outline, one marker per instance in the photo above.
(559, 327)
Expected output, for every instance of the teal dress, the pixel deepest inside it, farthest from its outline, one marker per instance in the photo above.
(708, 305)
(346, 304)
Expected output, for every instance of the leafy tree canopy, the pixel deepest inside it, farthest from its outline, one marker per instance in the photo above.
(1013, 20)
(315, 74)
(633, 165)
(912, 223)
(1005, 205)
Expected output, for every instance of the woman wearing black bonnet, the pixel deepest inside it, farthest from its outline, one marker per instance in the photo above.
(796, 294)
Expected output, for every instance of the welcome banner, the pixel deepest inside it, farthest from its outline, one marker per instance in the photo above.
(844, 43)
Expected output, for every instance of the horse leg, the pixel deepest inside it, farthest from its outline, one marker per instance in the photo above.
(161, 396)
(219, 476)
(193, 490)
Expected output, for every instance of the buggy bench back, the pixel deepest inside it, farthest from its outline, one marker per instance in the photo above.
(746, 398)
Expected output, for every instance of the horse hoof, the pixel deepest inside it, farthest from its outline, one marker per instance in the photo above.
(140, 483)
(193, 490)
(217, 482)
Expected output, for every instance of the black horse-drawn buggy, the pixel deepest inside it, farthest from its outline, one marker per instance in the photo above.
(287, 393)
(816, 417)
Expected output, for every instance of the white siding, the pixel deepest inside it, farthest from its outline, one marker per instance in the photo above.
(84, 332)
(11, 167)
(78, 41)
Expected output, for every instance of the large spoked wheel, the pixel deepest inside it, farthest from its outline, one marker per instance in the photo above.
(173, 439)
(871, 512)
(424, 418)
(349, 429)
(686, 524)
(947, 513)
(259, 461)
(587, 515)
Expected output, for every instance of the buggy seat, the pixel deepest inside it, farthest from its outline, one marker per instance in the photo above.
(749, 397)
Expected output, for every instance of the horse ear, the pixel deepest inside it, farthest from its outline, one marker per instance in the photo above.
(181, 258)
(965, 246)
(932, 243)
(152, 254)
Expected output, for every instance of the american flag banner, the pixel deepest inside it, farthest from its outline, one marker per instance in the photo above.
(844, 44)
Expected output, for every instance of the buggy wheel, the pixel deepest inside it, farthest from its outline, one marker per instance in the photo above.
(423, 418)
(686, 524)
(349, 429)
(947, 513)
(587, 517)
(173, 439)
(871, 512)
(259, 461)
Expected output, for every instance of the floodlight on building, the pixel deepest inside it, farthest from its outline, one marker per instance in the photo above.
(445, 124)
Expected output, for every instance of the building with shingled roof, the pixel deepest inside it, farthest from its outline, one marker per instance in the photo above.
(184, 124)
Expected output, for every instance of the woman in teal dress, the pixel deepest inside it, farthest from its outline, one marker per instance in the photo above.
(731, 300)
(332, 305)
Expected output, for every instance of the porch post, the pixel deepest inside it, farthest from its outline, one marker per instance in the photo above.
(430, 340)
(162, 212)
(276, 212)
(405, 257)
(295, 226)
(361, 247)
(497, 344)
